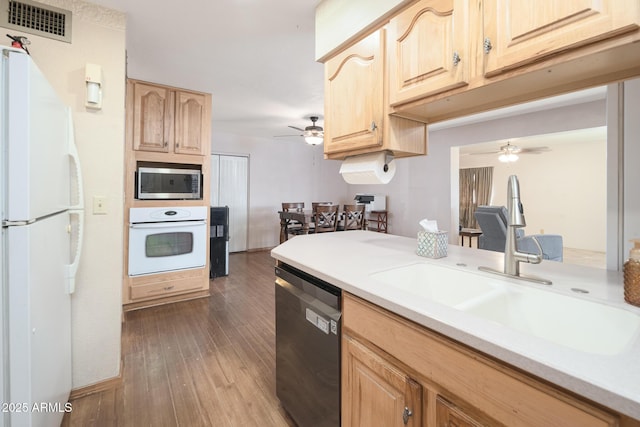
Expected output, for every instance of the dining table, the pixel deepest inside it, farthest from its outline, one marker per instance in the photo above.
(305, 218)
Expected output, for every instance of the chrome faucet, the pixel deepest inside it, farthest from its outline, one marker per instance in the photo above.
(513, 258)
(515, 220)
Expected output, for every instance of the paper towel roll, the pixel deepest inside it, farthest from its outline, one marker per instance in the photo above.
(368, 169)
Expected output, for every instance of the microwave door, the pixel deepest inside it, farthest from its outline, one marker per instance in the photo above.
(168, 184)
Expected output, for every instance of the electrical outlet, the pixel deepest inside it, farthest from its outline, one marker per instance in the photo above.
(99, 205)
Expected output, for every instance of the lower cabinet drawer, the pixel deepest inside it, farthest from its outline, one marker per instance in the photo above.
(166, 287)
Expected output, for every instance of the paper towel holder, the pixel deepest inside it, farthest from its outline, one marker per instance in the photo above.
(388, 158)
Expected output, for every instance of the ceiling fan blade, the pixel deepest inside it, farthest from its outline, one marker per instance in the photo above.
(286, 136)
(535, 150)
(296, 128)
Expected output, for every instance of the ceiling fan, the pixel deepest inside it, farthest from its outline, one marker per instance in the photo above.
(509, 153)
(313, 134)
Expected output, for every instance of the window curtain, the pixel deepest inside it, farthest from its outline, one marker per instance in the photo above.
(475, 190)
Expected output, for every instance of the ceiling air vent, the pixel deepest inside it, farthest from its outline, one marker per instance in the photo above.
(36, 18)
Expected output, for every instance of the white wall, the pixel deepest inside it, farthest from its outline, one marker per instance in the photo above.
(98, 37)
(422, 185)
(563, 191)
(281, 171)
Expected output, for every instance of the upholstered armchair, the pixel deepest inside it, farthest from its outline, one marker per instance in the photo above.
(493, 223)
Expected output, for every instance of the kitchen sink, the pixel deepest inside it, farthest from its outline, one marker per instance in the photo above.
(443, 285)
(581, 324)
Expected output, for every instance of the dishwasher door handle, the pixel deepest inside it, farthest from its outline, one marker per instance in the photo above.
(312, 303)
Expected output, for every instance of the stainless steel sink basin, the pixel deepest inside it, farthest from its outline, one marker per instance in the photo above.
(584, 325)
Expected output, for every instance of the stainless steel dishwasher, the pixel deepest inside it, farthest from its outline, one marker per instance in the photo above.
(308, 312)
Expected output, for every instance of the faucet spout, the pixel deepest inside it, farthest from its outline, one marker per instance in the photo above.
(516, 211)
(515, 220)
(512, 257)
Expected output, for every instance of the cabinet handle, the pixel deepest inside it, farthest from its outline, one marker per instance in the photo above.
(168, 288)
(166, 143)
(456, 59)
(406, 414)
(487, 45)
(373, 126)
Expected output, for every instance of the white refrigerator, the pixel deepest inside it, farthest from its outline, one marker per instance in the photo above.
(42, 217)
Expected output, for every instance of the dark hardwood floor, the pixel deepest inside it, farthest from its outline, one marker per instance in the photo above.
(205, 362)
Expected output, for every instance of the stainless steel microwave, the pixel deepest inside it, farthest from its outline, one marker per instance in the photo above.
(168, 183)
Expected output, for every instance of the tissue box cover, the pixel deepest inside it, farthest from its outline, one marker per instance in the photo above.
(432, 244)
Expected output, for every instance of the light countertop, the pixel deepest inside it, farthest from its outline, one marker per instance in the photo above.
(347, 260)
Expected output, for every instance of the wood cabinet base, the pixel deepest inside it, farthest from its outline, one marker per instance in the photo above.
(460, 386)
(166, 300)
(169, 284)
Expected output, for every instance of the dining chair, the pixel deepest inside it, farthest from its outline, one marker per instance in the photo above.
(293, 227)
(314, 205)
(326, 218)
(352, 217)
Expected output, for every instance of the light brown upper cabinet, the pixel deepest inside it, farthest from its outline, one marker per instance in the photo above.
(191, 121)
(169, 120)
(356, 106)
(354, 88)
(428, 49)
(519, 32)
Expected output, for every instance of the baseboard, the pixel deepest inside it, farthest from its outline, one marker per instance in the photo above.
(260, 249)
(104, 385)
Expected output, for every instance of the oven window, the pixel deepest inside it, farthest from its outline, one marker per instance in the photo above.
(168, 244)
(168, 183)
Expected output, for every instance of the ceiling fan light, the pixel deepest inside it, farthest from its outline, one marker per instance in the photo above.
(313, 139)
(508, 157)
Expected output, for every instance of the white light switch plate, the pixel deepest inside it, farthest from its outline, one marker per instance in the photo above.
(99, 205)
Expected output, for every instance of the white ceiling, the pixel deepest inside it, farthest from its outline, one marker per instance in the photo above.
(255, 57)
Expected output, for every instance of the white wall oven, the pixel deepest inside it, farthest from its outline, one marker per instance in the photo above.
(167, 239)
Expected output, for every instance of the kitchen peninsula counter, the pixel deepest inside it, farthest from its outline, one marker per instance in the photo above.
(348, 259)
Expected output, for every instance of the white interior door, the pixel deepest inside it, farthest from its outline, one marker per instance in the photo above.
(230, 187)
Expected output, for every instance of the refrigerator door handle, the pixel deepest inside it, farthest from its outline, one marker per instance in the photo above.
(73, 152)
(7, 223)
(72, 268)
(77, 209)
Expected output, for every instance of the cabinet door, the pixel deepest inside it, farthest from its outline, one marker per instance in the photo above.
(354, 96)
(428, 49)
(523, 31)
(448, 415)
(152, 118)
(190, 123)
(375, 392)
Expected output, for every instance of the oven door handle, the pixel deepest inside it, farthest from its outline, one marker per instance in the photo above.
(151, 225)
